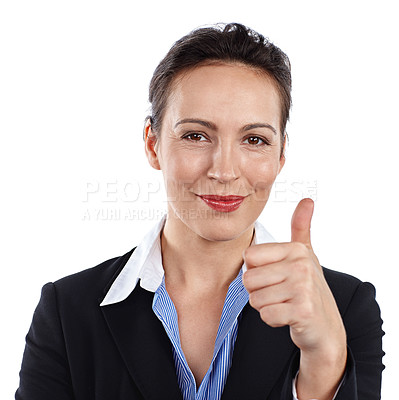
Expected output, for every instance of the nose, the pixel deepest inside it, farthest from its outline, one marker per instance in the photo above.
(225, 164)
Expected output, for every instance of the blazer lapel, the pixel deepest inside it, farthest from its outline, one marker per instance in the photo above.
(261, 353)
(143, 345)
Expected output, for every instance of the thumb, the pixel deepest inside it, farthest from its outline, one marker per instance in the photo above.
(300, 222)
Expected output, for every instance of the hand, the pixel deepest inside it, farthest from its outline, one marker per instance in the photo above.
(286, 285)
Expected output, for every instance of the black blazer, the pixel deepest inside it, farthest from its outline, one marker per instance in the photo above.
(76, 349)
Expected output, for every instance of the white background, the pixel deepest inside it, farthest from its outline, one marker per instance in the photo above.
(73, 97)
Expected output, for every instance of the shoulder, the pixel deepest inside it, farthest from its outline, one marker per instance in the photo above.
(93, 282)
(350, 293)
(342, 285)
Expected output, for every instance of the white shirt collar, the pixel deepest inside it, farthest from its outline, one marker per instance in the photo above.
(145, 264)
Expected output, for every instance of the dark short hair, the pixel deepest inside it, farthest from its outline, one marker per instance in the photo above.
(231, 43)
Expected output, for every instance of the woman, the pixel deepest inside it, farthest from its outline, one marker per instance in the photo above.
(221, 311)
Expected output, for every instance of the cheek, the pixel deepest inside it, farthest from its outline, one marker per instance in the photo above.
(181, 171)
(262, 174)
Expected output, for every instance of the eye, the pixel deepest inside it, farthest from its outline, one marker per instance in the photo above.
(195, 137)
(256, 141)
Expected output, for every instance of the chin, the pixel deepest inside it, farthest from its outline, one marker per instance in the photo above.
(220, 227)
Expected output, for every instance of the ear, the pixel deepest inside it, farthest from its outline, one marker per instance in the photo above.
(282, 157)
(150, 146)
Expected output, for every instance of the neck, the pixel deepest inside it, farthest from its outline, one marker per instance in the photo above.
(199, 265)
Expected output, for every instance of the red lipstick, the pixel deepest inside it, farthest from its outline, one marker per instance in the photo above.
(223, 203)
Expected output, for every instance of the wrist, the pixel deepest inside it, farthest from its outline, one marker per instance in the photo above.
(320, 373)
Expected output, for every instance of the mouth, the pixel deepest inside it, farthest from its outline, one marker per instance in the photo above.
(223, 203)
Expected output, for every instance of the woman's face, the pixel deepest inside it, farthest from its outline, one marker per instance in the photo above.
(219, 149)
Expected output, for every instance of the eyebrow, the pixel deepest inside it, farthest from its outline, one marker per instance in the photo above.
(211, 125)
(259, 125)
(202, 122)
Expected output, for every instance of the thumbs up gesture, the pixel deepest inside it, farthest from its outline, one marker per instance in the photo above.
(286, 285)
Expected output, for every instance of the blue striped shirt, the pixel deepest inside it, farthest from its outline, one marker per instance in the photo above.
(214, 380)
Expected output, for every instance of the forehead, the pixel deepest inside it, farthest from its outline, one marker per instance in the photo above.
(224, 92)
